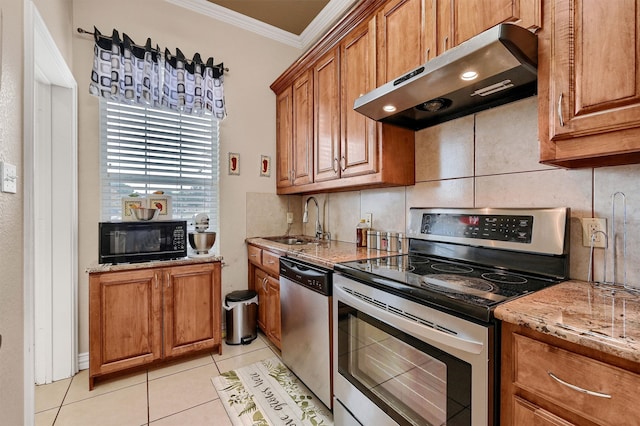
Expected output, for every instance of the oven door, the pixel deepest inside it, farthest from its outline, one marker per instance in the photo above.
(399, 362)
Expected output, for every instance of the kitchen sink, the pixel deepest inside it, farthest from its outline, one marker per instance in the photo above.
(291, 241)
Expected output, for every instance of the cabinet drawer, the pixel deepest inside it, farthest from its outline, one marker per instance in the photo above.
(613, 390)
(255, 255)
(525, 413)
(271, 263)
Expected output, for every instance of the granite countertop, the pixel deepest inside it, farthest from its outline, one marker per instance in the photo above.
(109, 267)
(597, 316)
(324, 253)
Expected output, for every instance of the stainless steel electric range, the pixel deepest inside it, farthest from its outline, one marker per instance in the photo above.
(415, 341)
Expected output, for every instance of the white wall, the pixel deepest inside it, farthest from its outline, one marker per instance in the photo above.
(11, 287)
(254, 63)
(56, 14)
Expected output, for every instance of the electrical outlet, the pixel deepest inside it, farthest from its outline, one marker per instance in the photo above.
(594, 227)
(368, 218)
(289, 218)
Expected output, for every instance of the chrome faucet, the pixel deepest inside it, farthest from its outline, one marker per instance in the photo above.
(305, 216)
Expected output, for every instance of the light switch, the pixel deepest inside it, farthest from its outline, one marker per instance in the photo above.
(9, 178)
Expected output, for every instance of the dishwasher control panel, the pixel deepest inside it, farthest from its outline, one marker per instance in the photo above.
(314, 277)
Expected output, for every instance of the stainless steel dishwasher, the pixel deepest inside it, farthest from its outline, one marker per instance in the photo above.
(305, 300)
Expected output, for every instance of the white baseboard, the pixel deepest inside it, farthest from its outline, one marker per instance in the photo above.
(83, 361)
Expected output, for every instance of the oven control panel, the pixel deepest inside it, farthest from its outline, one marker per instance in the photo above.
(511, 228)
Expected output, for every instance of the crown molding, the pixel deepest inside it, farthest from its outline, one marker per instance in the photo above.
(329, 14)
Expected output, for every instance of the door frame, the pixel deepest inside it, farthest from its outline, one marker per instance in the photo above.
(43, 60)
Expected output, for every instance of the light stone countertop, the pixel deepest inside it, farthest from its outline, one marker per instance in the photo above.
(324, 253)
(600, 317)
(109, 267)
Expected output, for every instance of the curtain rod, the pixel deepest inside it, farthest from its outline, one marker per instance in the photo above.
(83, 31)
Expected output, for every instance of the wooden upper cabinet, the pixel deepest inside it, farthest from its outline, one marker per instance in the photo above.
(302, 143)
(349, 151)
(470, 18)
(326, 76)
(406, 37)
(294, 140)
(589, 83)
(284, 138)
(358, 148)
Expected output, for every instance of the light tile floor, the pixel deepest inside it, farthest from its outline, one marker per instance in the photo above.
(180, 393)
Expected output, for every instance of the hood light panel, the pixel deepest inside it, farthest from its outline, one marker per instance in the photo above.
(389, 108)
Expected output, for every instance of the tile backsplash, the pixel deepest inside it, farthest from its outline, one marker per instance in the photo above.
(489, 159)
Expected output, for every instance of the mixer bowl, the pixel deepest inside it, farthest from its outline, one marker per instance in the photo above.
(144, 214)
(201, 242)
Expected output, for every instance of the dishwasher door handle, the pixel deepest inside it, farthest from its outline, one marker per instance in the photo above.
(299, 269)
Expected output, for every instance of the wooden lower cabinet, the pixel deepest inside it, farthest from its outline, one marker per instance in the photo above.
(265, 280)
(273, 326)
(549, 381)
(143, 316)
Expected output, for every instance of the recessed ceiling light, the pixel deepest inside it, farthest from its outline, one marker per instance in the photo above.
(469, 75)
(389, 108)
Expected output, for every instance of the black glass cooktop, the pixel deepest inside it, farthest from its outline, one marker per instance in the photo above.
(461, 288)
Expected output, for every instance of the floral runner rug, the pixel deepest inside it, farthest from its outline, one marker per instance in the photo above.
(267, 393)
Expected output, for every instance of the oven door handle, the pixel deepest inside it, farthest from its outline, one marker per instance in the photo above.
(408, 326)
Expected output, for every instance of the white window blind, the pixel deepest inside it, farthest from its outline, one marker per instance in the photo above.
(145, 150)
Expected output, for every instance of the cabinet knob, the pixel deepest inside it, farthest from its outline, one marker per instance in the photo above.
(343, 163)
(335, 165)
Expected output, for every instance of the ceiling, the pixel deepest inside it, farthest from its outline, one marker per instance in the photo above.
(298, 23)
(289, 15)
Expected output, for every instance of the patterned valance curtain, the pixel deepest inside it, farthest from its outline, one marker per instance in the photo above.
(129, 73)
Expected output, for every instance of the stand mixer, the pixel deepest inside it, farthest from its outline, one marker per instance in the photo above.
(201, 240)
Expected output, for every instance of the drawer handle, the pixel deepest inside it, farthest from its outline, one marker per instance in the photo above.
(577, 388)
(253, 255)
(560, 111)
(271, 262)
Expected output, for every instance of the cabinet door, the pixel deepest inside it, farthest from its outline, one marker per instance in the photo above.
(192, 305)
(592, 81)
(125, 328)
(260, 283)
(406, 37)
(473, 17)
(274, 328)
(326, 107)
(359, 143)
(302, 143)
(284, 138)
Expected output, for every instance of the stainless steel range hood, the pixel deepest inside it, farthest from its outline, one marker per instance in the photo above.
(505, 59)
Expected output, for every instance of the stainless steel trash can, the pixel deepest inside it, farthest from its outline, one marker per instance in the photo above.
(241, 308)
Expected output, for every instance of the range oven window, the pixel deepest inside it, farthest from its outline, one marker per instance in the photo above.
(413, 382)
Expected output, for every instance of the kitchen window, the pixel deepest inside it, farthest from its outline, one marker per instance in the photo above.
(143, 150)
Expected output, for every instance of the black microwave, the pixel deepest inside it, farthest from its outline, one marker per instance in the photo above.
(132, 242)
